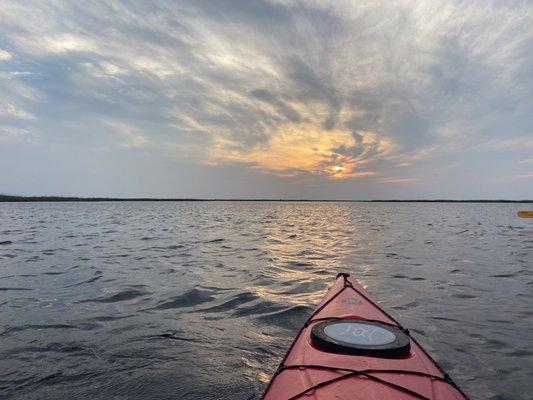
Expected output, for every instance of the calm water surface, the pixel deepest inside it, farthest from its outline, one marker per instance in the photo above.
(201, 300)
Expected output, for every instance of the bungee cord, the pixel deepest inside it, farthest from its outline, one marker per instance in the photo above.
(367, 373)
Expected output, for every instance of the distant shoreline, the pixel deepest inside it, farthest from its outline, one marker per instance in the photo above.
(21, 199)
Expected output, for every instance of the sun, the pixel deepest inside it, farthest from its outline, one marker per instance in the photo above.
(337, 169)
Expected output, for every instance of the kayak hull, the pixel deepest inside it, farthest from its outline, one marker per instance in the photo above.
(310, 372)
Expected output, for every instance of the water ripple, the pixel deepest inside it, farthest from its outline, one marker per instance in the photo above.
(146, 300)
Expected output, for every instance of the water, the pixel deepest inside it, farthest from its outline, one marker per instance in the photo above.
(201, 300)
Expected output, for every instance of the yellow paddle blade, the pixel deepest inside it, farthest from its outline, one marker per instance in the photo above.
(525, 214)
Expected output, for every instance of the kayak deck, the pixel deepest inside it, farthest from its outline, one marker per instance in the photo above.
(309, 372)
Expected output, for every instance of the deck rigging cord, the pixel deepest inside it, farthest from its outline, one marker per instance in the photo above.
(352, 372)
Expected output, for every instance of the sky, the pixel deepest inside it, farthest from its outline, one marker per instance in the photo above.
(280, 99)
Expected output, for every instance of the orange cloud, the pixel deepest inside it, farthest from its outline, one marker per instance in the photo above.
(297, 148)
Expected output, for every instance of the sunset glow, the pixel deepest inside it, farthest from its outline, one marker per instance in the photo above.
(267, 98)
(304, 150)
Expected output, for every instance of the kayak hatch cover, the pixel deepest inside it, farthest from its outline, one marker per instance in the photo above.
(351, 349)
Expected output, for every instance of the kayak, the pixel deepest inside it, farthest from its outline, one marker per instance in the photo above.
(351, 349)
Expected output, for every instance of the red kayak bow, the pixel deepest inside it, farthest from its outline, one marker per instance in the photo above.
(351, 349)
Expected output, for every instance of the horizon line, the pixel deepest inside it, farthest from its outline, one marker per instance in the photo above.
(16, 198)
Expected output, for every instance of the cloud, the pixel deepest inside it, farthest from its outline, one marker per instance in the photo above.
(128, 136)
(305, 149)
(336, 90)
(16, 116)
(527, 175)
(398, 180)
(11, 133)
(5, 55)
